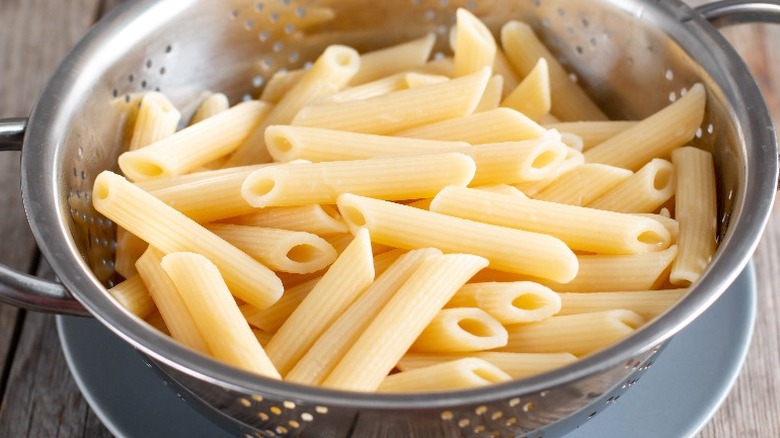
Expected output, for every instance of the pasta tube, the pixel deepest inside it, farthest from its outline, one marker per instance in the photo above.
(170, 231)
(156, 119)
(228, 336)
(583, 184)
(592, 133)
(475, 47)
(507, 249)
(195, 145)
(587, 229)
(649, 304)
(460, 329)
(532, 96)
(509, 302)
(494, 126)
(394, 59)
(395, 328)
(517, 365)
(212, 105)
(313, 218)
(446, 376)
(643, 192)
(395, 178)
(133, 296)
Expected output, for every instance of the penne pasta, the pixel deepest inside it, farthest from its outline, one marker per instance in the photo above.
(331, 346)
(270, 319)
(195, 145)
(460, 329)
(346, 279)
(695, 209)
(583, 184)
(212, 105)
(317, 219)
(574, 159)
(523, 48)
(509, 302)
(674, 125)
(156, 119)
(400, 110)
(532, 96)
(517, 365)
(394, 329)
(494, 126)
(170, 231)
(578, 334)
(474, 45)
(281, 250)
(592, 133)
(228, 336)
(446, 376)
(395, 178)
(128, 248)
(586, 229)
(507, 249)
(503, 68)
(491, 98)
(394, 59)
(649, 304)
(167, 299)
(133, 296)
(329, 74)
(643, 192)
(279, 84)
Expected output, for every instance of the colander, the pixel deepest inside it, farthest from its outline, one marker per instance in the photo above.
(632, 56)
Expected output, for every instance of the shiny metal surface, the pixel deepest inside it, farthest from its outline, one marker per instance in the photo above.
(12, 134)
(618, 50)
(732, 12)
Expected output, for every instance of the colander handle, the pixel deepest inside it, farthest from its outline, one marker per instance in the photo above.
(20, 289)
(729, 12)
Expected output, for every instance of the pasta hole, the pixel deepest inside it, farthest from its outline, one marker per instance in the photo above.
(529, 302)
(476, 327)
(101, 190)
(662, 179)
(344, 59)
(304, 253)
(147, 168)
(262, 186)
(331, 212)
(652, 238)
(282, 144)
(487, 375)
(544, 159)
(354, 216)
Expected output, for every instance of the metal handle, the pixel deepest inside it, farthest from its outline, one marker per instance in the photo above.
(730, 12)
(18, 288)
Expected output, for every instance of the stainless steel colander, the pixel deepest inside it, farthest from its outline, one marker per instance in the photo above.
(632, 56)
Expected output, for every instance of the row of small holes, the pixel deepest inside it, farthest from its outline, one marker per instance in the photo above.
(144, 83)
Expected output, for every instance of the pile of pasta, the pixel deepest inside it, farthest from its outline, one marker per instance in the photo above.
(399, 222)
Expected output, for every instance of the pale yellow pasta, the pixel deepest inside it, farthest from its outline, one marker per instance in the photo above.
(414, 79)
(619, 272)
(212, 105)
(695, 209)
(331, 346)
(532, 96)
(168, 300)
(151, 185)
(128, 248)
(586, 229)
(133, 295)
(649, 304)
(671, 224)
(460, 329)
(378, 87)
(261, 336)
(592, 133)
(503, 68)
(395, 178)
(474, 45)
(156, 119)
(507, 249)
(643, 192)
(313, 218)
(281, 250)
(571, 140)
(329, 74)
(574, 159)
(400, 110)
(271, 318)
(577, 334)
(170, 231)
(442, 65)
(446, 376)
(279, 84)
(394, 329)
(155, 320)
(195, 145)
(583, 184)
(394, 59)
(346, 279)
(287, 143)
(207, 297)
(491, 98)
(509, 302)
(523, 48)
(517, 365)
(217, 195)
(516, 161)
(671, 127)
(494, 126)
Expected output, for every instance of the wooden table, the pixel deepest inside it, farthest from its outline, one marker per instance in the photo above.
(38, 397)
